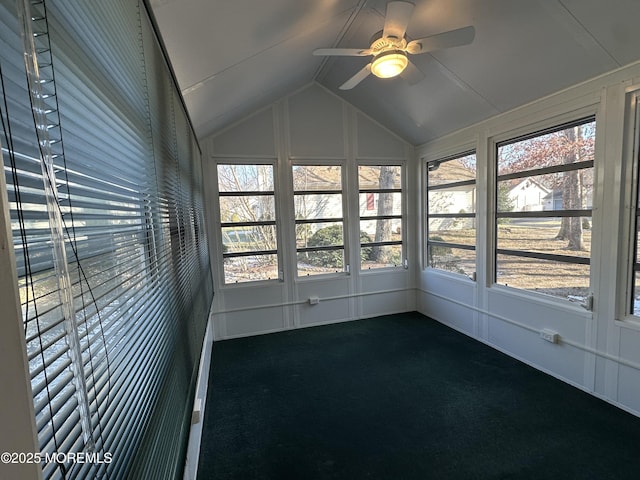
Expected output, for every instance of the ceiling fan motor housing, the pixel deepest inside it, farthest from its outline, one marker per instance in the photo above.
(380, 44)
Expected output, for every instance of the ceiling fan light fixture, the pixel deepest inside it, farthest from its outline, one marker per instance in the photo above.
(389, 64)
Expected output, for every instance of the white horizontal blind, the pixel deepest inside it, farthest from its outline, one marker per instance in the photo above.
(129, 184)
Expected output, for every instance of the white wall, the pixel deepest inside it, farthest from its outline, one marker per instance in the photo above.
(599, 351)
(311, 124)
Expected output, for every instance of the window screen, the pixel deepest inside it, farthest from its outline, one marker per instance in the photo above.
(317, 191)
(451, 207)
(248, 222)
(544, 194)
(380, 208)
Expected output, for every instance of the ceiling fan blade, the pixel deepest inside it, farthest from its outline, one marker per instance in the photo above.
(357, 78)
(452, 38)
(411, 74)
(397, 19)
(347, 52)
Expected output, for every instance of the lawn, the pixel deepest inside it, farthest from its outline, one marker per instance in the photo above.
(566, 280)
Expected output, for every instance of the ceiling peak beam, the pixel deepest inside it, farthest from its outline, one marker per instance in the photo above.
(579, 31)
(201, 83)
(341, 35)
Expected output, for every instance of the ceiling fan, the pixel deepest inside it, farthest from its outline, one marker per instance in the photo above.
(389, 47)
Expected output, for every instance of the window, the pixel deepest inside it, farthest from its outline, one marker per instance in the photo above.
(380, 188)
(451, 207)
(248, 222)
(544, 192)
(103, 177)
(635, 276)
(317, 191)
(634, 301)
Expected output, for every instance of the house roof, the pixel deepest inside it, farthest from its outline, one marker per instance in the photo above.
(521, 183)
(233, 58)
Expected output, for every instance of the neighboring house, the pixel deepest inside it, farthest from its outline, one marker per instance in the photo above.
(329, 206)
(529, 196)
(322, 205)
(458, 199)
(553, 201)
(369, 207)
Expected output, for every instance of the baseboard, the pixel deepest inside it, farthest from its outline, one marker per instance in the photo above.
(199, 403)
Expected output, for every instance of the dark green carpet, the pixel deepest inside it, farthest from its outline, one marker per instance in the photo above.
(401, 397)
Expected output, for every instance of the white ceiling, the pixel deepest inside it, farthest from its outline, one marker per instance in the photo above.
(232, 57)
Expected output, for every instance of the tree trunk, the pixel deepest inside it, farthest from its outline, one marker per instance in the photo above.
(385, 207)
(563, 234)
(571, 227)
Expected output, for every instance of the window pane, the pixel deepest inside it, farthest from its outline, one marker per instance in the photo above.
(249, 239)
(547, 192)
(327, 237)
(248, 208)
(545, 235)
(564, 280)
(249, 211)
(380, 230)
(453, 200)
(319, 235)
(460, 230)
(317, 177)
(321, 206)
(250, 268)
(245, 178)
(635, 301)
(380, 256)
(379, 176)
(451, 190)
(564, 146)
(320, 262)
(636, 295)
(377, 204)
(566, 190)
(457, 260)
(450, 171)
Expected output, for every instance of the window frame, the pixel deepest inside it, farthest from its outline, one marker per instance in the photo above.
(277, 252)
(550, 125)
(402, 216)
(113, 338)
(631, 218)
(436, 162)
(344, 247)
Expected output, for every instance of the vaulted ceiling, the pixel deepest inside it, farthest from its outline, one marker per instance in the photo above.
(233, 57)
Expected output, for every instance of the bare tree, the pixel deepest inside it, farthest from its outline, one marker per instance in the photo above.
(567, 146)
(385, 207)
(250, 207)
(571, 227)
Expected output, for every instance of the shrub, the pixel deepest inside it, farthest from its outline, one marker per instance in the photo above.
(436, 251)
(332, 236)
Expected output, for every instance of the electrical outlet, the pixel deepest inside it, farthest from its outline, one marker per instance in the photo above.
(196, 414)
(314, 300)
(549, 335)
